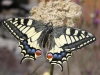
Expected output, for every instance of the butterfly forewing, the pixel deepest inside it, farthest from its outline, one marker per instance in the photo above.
(77, 38)
(28, 33)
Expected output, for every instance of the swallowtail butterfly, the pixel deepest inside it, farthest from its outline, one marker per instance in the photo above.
(61, 41)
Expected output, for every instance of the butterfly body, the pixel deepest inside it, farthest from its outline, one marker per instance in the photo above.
(61, 41)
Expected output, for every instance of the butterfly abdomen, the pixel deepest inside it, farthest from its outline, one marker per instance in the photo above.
(48, 30)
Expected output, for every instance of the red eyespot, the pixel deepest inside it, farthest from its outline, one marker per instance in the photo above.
(49, 56)
(38, 52)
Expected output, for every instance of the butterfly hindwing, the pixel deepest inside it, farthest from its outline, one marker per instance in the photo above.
(28, 33)
(64, 41)
(57, 55)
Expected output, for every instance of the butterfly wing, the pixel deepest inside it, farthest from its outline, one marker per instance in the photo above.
(64, 40)
(29, 34)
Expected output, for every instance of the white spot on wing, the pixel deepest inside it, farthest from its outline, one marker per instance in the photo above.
(80, 37)
(85, 43)
(87, 36)
(88, 41)
(68, 31)
(83, 32)
(15, 23)
(19, 26)
(22, 28)
(62, 39)
(76, 32)
(90, 34)
(22, 21)
(59, 63)
(16, 18)
(30, 22)
(64, 59)
(73, 40)
(24, 51)
(76, 38)
(72, 48)
(93, 38)
(67, 49)
(81, 45)
(68, 39)
(9, 19)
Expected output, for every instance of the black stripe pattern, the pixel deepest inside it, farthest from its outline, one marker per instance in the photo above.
(61, 41)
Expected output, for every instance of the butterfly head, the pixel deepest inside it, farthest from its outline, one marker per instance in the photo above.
(49, 28)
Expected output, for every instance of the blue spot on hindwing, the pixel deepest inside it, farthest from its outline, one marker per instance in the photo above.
(63, 53)
(33, 51)
(59, 56)
(29, 51)
(55, 56)
(25, 43)
(26, 47)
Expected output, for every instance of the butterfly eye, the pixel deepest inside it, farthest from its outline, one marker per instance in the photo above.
(38, 52)
(49, 56)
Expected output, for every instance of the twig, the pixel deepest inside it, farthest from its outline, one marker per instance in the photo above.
(51, 69)
(68, 67)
